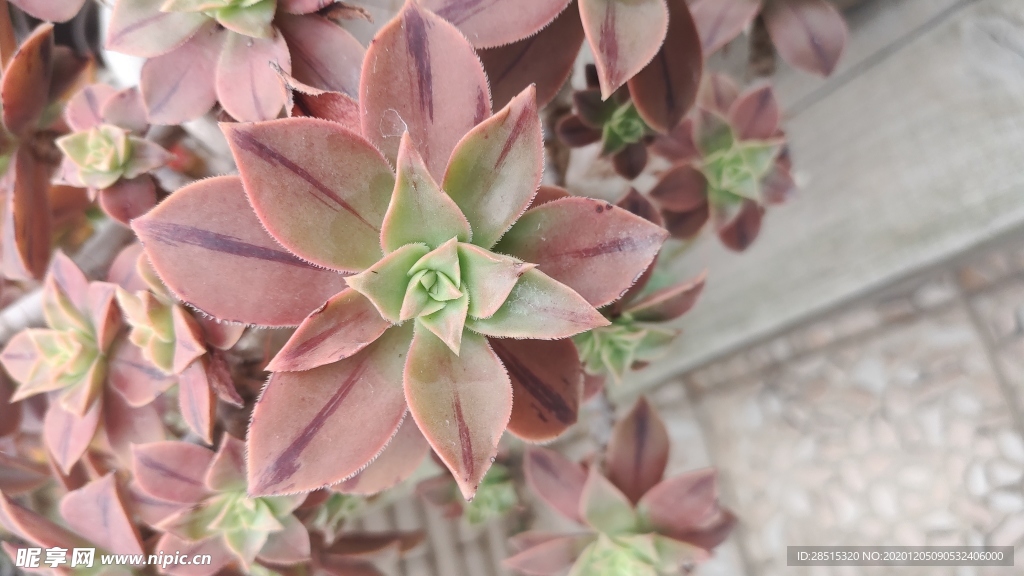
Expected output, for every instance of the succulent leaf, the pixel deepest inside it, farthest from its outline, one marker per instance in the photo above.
(294, 438)
(808, 34)
(496, 168)
(595, 248)
(420, 212)
(547, 384)
(207, 229)
(248, 86)
(347, 324)
(398, 461)
(446, 93)
(462, 402)
(140, 28)
(319, 189)
(489, 278)
(623, 36)
(180, 85)
(605, 508)
(556, 480)
(387, 283)
(539, 307)
(638, 451)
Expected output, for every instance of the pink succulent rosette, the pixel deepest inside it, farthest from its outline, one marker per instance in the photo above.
(200, 52)
(730, 162)
(107, 152)
(198, 499)
(808, 34)
(436, 292)
(636, 521)
(72, 361)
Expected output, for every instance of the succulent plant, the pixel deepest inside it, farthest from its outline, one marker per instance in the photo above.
(203, 51)
(443, 273)
(106, 152)
(729, 162)
(639, 522)
(71, 361)
(31, 93)
(808, 34)
(207, 507)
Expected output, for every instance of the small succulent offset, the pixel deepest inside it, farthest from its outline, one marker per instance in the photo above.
(203, 51)
(106, 151)
(206, 507)
(69, 358)
(615, 123)
(447, 265)
(640, 523)
(808, 34)
(729, 162)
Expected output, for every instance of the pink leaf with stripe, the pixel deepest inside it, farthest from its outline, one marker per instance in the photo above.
(172, 471)
(462, 403)
(668, 303)
(180, 85)
(310, 430)
(721, 21)
(348, 323)
(623, 36)
(638, 451)
(421, 75)
(755, 114)
(248, 86)
(319, 189)
(665, 90)
(323, 54)
(686, 508)
(210, 249)
(67, 435)
(396, 463)
(196, 401)
(556, 480)
(139, 28)
(595, 248)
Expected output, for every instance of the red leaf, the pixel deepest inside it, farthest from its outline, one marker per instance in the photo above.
(422, 76)
(461, 403)
(26, 81)
(556, 480)
(210, 249)
(35, 528)
(686, 508)
(547, 384)
(545, 59)
(638, 451)
(665, 89)
(316, 428)
(808, 34)
(549, 558)
(668, 303)
(755, 115)
(26, 233)
(595, 248)
(681, 189)
(128, 199)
